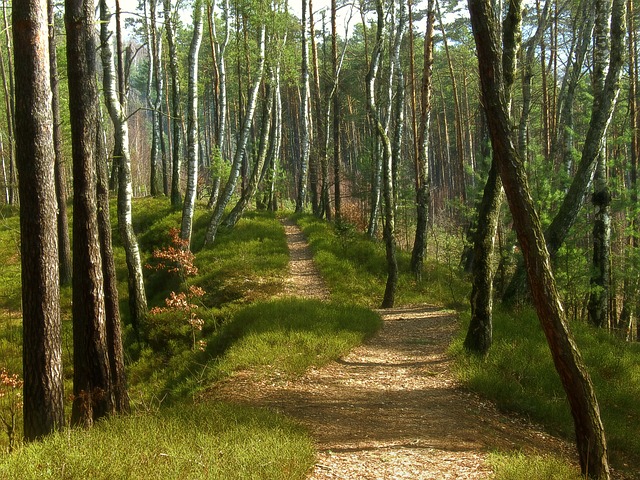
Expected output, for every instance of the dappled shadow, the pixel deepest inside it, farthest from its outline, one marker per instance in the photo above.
(393, 408)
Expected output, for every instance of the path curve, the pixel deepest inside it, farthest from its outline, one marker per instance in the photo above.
(391, 409)
(303, 279)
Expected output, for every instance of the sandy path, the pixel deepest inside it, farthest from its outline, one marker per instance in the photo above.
(391, 409)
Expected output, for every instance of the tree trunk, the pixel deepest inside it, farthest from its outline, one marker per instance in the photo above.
(480, 333)
(590, 439)
(598, 305)
(387, 159)
(256, 173)
(337, 181)
(240, 147)
(176, 116)
(91, 375)
(189, 205)
(111, 297)
(304, 114)
(115, 99)
(9, 91)
(64, 243)
(602, 112)
(41, 327)
(423, 182)
(458, 115)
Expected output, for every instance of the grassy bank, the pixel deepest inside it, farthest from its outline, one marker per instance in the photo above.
(174, 431)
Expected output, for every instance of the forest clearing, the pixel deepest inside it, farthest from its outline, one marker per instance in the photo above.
(378, 239)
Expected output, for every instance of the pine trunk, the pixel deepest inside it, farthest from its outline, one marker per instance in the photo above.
(43, 410)
(590, 439)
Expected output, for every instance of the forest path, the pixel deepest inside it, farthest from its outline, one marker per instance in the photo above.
(390, 409)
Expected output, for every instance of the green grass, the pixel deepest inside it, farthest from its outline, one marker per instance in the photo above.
(213, 441)
(517, 466)
(354, 268)
(518, 374)
(10, 284)
(168, 436)
(290, 335)
(284, 336)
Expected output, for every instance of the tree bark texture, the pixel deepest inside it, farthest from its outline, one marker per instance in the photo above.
(119, 391)
(41, 326)
(423, 182)
(387, 167)
(189, 205)
(91, 376)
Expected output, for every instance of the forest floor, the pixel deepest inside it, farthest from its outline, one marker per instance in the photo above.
(391, 408)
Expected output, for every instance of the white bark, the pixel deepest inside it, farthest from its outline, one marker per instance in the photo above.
(229, 188)
(192, 125)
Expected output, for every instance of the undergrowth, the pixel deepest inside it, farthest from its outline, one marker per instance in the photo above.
(518, 374)
(354, 268)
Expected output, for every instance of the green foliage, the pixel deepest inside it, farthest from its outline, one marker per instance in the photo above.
(516, 466)
(518, 374)
(214, 441)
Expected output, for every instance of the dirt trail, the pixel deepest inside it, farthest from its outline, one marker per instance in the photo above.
(391, 409)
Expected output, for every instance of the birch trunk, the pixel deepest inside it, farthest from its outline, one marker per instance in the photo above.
(115, 100)
(423, 182)
(387, 167)
(192, 126)
(598, 305)
(230, 186)
(304, 114)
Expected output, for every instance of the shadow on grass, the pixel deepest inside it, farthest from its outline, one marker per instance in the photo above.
(288, 335)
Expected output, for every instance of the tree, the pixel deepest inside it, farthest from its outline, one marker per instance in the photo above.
(64, 243)
(387, 160)
(423, 146)
(41, 326)
(480, 333)
(92, 386)
(192, 126)
(601, 114)
(598, 305)
(115, 96)
(590, 439)
(304, 114)
(176, 119)
(241, 145)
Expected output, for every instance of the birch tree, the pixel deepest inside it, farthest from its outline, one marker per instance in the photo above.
(304, 112)
(387, 159)
(115, 96)
(601, 114)
(243, 138)
(192, 126)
